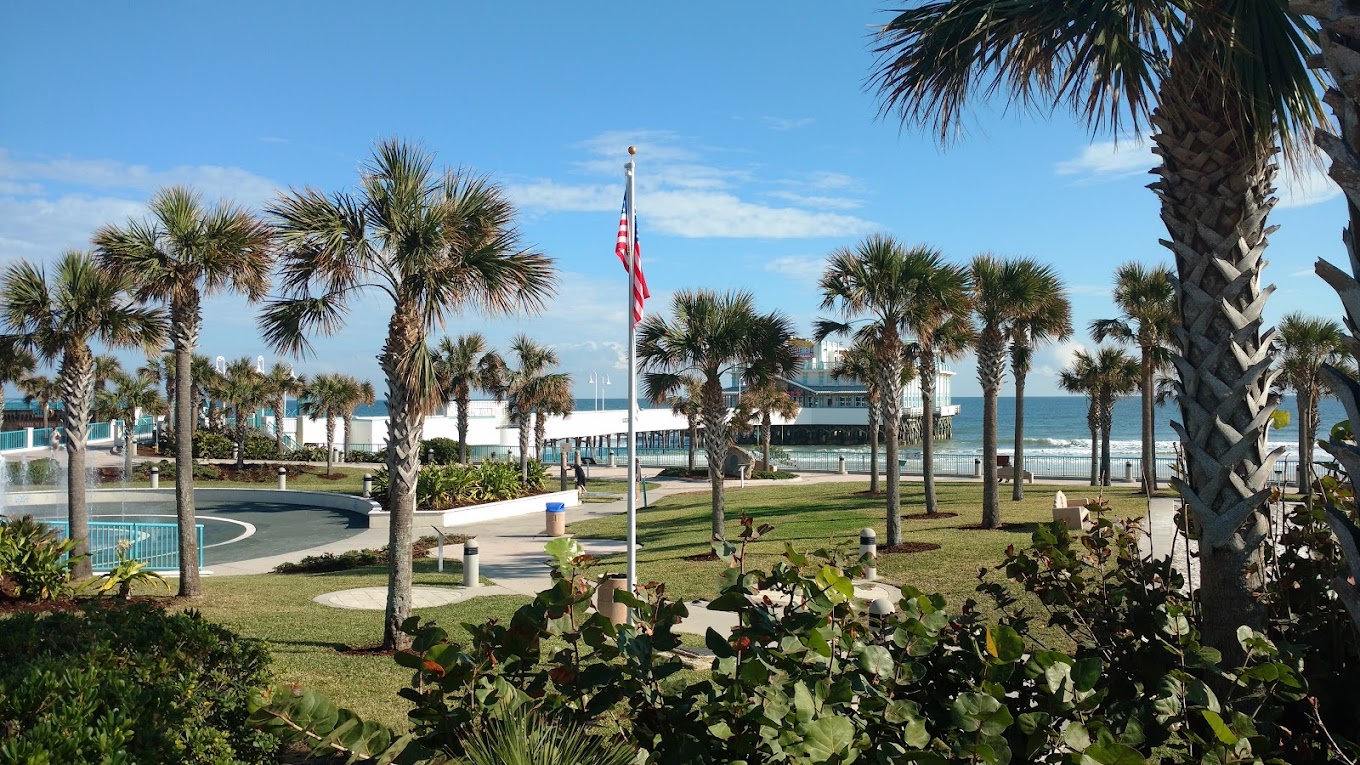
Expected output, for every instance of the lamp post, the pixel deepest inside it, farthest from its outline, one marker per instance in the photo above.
(597, 377)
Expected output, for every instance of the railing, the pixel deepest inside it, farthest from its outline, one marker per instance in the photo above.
(156, 544)
(98, 431)
(12, 439)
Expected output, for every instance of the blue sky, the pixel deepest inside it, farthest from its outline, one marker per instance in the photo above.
(759, 151)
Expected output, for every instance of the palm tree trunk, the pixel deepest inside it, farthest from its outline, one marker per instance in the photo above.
(928, 370)
(1018, 460)
(241, 438)
(765, 438)
(184, 319)
(330, 441)
(1149, 470)
(1093, 422)
(991, 366)
(403, 465)
(344, 452)
(279, 404)
(540, 435)
(1308, 427)
(129, 445)
(77, 388)
(715, 448)
(890, 383)
(693, 441)
(462, 402)
(1215, 192)
(1106, 425)
(873, 447)
(525, 430)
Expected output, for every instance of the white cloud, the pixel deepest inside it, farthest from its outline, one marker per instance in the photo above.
(40, 229)
(1095, 290)
(802, 268)
(1304, 186)
(213, 181)
(551, 196)
(702, 214)
(787, 123)
(824, 202)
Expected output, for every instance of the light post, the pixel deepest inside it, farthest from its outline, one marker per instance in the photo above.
(597, 377)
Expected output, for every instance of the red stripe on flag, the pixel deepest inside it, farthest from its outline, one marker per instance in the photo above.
(640, 291)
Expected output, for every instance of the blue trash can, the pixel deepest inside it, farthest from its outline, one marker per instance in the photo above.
(556, 523)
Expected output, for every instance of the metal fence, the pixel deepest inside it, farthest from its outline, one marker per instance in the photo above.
(98, 431)
(12, 439)
(156, 544)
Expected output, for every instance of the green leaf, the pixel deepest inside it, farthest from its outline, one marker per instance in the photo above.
(1005, 643)
(802, 702)
(979, 712)
(720, 730)
(876, 660)
(1086, 673)
(826, 737)
(718, 644)
(1111, 754)
(1221, 728)
(564, 550)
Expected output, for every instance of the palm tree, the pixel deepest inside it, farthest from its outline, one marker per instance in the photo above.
(1303, 344)
(1146, 298)
(246, 390)
(205, 378)
(56, 317)
(42, 390)
(521, 384)
(689, 405)
(1118, 375)
(709, 335)
(552, 399)
(435, 244)
(357, 393)
(180, 255)
(134, 395)
(326, 396)
(760, 403)
(1005, 292)
(105, 367)
(280, 383)
(16, 364)
(1052, 321)
(894, 290)
(161, 369)
(857, 363)
(1216, 137)
(1081, 378)
(462, 366)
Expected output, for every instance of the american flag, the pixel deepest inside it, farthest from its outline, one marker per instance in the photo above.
(640, 291)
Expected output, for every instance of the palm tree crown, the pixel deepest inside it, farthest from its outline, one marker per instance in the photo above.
(710, 335)
(435, 244)
(463, 365)
(1303, 345)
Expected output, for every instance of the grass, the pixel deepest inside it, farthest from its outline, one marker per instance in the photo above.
(811, 516)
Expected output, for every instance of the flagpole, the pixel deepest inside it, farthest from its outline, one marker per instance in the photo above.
(632, 378)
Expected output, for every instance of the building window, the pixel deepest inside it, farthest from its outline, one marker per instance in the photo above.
(859, 402)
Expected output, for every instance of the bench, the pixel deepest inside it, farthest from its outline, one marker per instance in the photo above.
(1071, 512)
(1008, 473)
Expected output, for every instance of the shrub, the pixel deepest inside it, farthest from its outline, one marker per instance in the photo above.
(773, 475)
(359, 455)
(439, 451)
(683, 472)
(202, 471)
(129, 684)
(35, 560)
(443, 486)
(364, 558)
(308, 454)
(39, 472)
(260, 446)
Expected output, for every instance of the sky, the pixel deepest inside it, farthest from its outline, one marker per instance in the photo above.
(759, 152)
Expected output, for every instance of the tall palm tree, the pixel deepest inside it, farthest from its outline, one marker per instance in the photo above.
(521, 384)
(948, 342)
(760, 403)
(1146, 298)
(891, 290)
(106, 365)
(1051, 322)
(435, 244)
(462, 366)
(1081, 378)
(857, 363)
(281, 381)
(160, 367)
(357, 393)
(327, 396)
(16, 364)
(183, 253)
(687, 401)
(1216, 138)
(1303, 344)
(1117, 374)
(553, 399)
(57, 316)
(43, 391)
(1005, 292)
(707, 336)
(246, 390)
(134, 395)
(204, 379)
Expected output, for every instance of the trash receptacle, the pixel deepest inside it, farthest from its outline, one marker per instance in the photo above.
(556, 515)
(615, 612)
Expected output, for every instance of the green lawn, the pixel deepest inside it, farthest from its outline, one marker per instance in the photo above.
(826, 514)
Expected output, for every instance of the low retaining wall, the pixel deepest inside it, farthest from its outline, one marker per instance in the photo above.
(16, 502)
(462, 516)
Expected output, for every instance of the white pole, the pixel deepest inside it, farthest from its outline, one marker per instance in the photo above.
(632, 380)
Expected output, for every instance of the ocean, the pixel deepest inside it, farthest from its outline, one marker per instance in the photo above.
(1054, 425)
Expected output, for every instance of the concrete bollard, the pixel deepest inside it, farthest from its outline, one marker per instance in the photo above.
(615, 612)
(562, 459)
(283, 478)
(555, 519)
(977, 468)
(879, 611)
(1128, 471)
(868, 545)
(155, 478)
(612, 463)
(840, 465)
(472, 568)
(368, 485)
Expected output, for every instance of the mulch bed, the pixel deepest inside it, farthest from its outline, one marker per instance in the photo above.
(1003, 527)
(909, 547)
(9, 605)
(702, 557)
(928, 516)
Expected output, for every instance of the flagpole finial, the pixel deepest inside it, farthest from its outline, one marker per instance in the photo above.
(632, 150)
